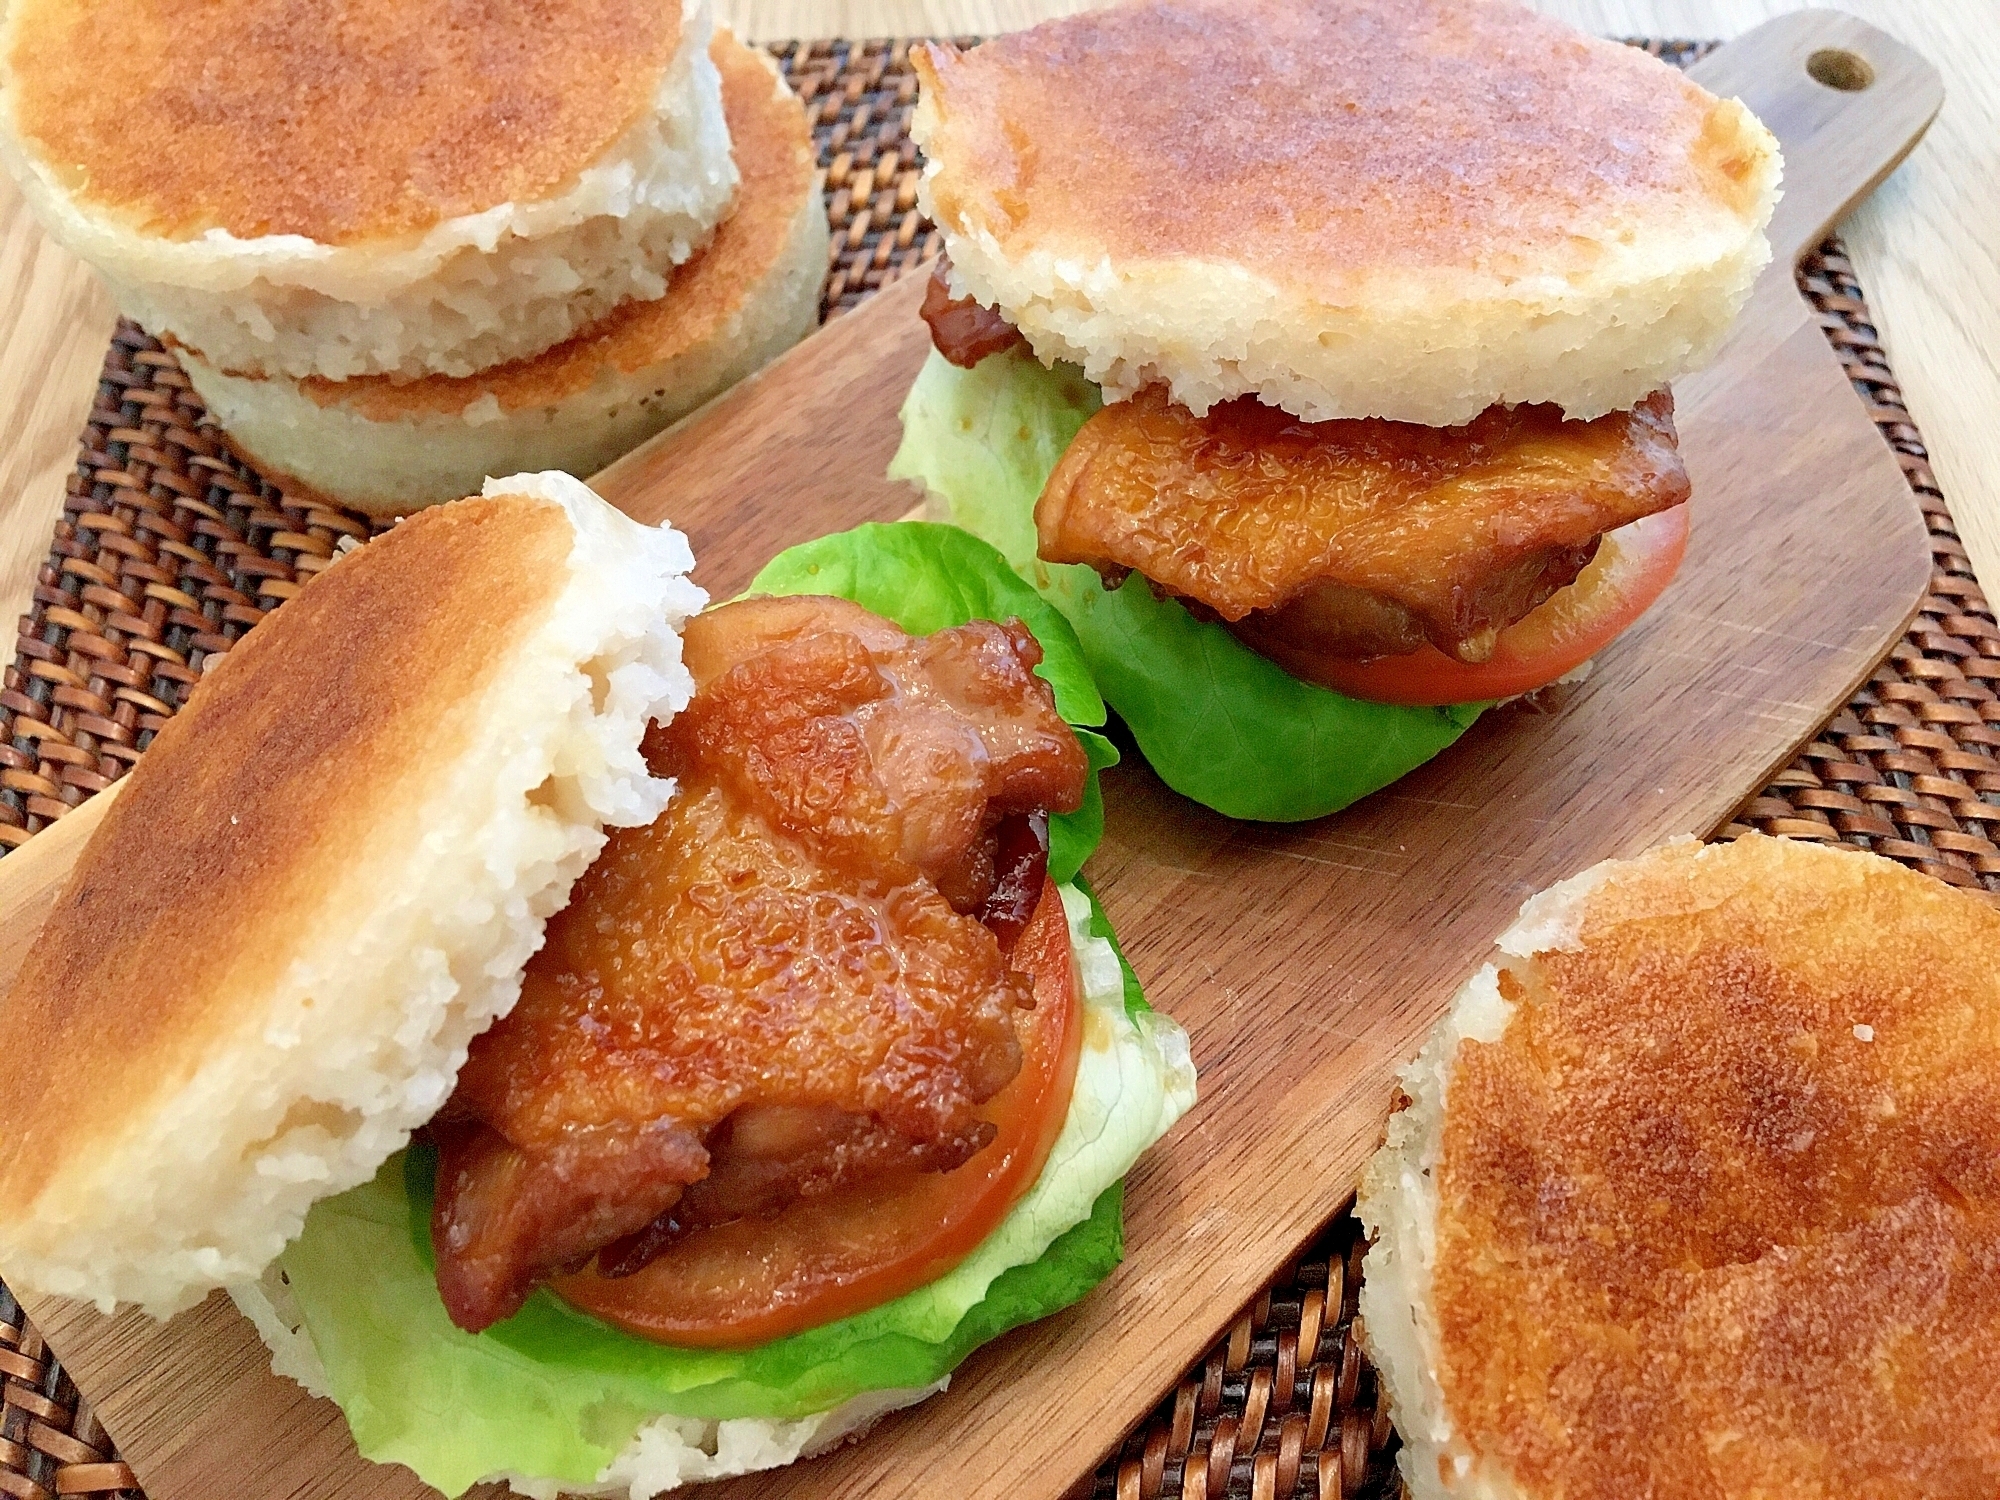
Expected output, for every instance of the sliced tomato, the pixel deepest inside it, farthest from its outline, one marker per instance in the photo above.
(1633, 566)
(755, 1280)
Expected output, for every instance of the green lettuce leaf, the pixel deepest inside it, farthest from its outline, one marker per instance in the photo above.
(1218, 722)
(556, 1394)
(984, 439)
(926, 578)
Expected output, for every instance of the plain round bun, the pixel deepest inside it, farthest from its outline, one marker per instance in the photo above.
(1697, 1192)
(1410, 209)
(375, 187)
(322, 880)
(388, 447)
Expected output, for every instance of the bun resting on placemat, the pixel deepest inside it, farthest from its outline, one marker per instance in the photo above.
(399, 186)
(1697, 1191)
(387, 447)
(322, 880)
(1410, 209)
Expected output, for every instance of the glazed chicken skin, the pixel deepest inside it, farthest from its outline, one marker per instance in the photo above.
(1355, 538)
(962, 329)
(794, 979)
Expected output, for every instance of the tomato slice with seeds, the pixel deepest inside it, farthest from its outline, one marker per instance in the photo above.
(1632, 568)
(753, 1280)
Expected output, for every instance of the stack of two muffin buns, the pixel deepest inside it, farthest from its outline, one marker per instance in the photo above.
(399, 247)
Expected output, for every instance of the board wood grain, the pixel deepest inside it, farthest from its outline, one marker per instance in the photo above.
(1306, 961)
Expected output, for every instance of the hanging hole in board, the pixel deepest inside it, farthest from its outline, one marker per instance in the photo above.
(1838, 68)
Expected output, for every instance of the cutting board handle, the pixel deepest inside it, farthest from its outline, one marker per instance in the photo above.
(1847, 103)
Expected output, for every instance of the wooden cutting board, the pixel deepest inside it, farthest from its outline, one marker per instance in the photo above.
(1306, 962)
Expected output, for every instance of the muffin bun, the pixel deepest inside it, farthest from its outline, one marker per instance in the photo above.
(375, 187)
(1410, 209)
(322, 880)
(1697, 1192)
(389, 447)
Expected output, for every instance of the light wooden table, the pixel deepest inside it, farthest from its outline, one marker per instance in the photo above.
(1927, 248)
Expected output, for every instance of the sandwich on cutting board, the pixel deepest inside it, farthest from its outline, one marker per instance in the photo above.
(1314, 358)
(761, 1053)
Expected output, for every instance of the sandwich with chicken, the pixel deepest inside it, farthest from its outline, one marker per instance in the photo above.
(1313, 357)
(600, 1043)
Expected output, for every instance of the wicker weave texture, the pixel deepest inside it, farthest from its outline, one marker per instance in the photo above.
(859, 97)
(1285, 1406)
(169, 549)
(51, 1443)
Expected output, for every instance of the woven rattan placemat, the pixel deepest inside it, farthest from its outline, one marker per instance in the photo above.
(169, 549)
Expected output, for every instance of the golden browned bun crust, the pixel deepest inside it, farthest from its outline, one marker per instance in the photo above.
(177, 917)
(382, 118)
(321, 881)
(389, 447)
(1698, 1192)
(370, 189)
(1391, 208)
(773, 147)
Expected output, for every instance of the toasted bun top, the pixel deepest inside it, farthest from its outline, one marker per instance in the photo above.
(1315, 143)
(357, 121)
(177, 919)
(1717, 1188)
(322, 879)
(773, 148)
(1288, 197)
